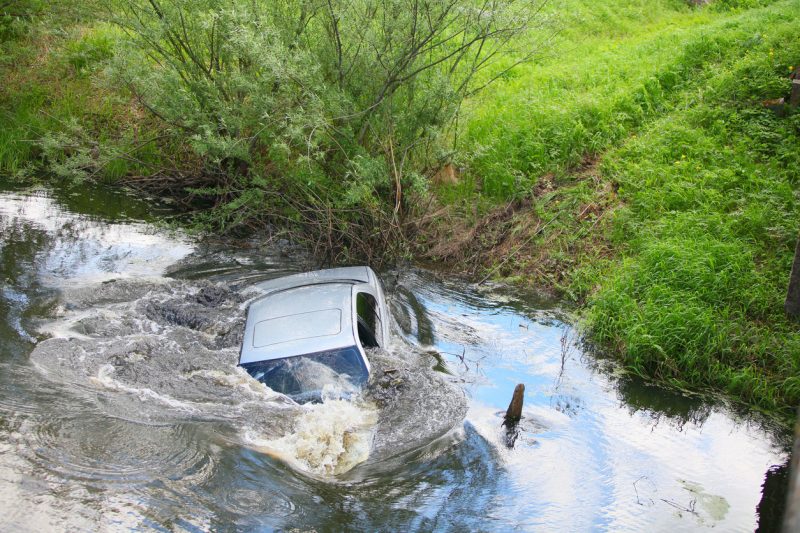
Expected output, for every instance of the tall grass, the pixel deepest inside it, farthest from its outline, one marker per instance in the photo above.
(708, 231)
(616, 66)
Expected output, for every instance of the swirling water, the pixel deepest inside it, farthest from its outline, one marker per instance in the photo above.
(121, 405)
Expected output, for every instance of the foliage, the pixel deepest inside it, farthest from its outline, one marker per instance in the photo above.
(60, 115)
(342, 93)
(620, 69)
(708, 235)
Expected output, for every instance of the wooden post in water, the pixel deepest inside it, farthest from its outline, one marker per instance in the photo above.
(513, 415)
(514, 411)
(792, 304)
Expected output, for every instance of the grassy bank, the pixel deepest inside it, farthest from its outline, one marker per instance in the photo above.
(706, 236)
(664, 195)
(59, 110)
(613, 65)
(632, 168)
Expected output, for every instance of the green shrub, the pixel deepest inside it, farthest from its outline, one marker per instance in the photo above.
(352, 90)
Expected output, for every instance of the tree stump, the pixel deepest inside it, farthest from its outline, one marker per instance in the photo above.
(514, 411)
(792, 304)
(513, 415)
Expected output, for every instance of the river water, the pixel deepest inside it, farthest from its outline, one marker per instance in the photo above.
(121, 405)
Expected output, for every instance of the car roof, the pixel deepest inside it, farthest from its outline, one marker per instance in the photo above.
(303, 314)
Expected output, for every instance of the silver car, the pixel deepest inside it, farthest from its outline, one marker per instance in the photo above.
(308, 335)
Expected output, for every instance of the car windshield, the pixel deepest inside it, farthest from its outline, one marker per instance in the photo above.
(306, 378)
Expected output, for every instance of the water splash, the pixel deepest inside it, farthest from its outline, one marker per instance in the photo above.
(166, 351)
(327, 439)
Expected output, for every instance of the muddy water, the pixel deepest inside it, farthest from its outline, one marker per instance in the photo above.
(121, 405)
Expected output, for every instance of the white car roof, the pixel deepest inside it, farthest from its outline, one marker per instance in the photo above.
(304, 314)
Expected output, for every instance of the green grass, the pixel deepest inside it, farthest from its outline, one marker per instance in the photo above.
(54, 90)
(707, 236)
(684, 270)
(616, 66)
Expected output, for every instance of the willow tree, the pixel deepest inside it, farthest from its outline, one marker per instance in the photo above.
(341, 93)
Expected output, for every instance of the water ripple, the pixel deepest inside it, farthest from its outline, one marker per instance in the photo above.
(100, 450)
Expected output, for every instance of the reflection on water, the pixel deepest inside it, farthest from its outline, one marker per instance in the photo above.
(78, 250)
(627, 454)
(134, 414)
(773, 498)
(662, 406)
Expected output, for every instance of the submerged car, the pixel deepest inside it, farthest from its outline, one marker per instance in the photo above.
(309, 333)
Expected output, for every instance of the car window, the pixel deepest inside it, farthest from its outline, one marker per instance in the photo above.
(369, 321)
(305, 377)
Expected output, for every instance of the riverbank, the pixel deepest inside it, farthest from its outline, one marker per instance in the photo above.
(667, 204)
(633, 168)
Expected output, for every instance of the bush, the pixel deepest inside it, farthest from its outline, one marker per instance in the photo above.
(351, 92)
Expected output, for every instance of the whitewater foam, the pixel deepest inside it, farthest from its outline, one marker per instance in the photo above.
(328, 439)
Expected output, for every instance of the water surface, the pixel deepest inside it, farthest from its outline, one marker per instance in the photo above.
(121, 405)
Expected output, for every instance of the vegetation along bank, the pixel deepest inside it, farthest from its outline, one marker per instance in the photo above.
(633, 156)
